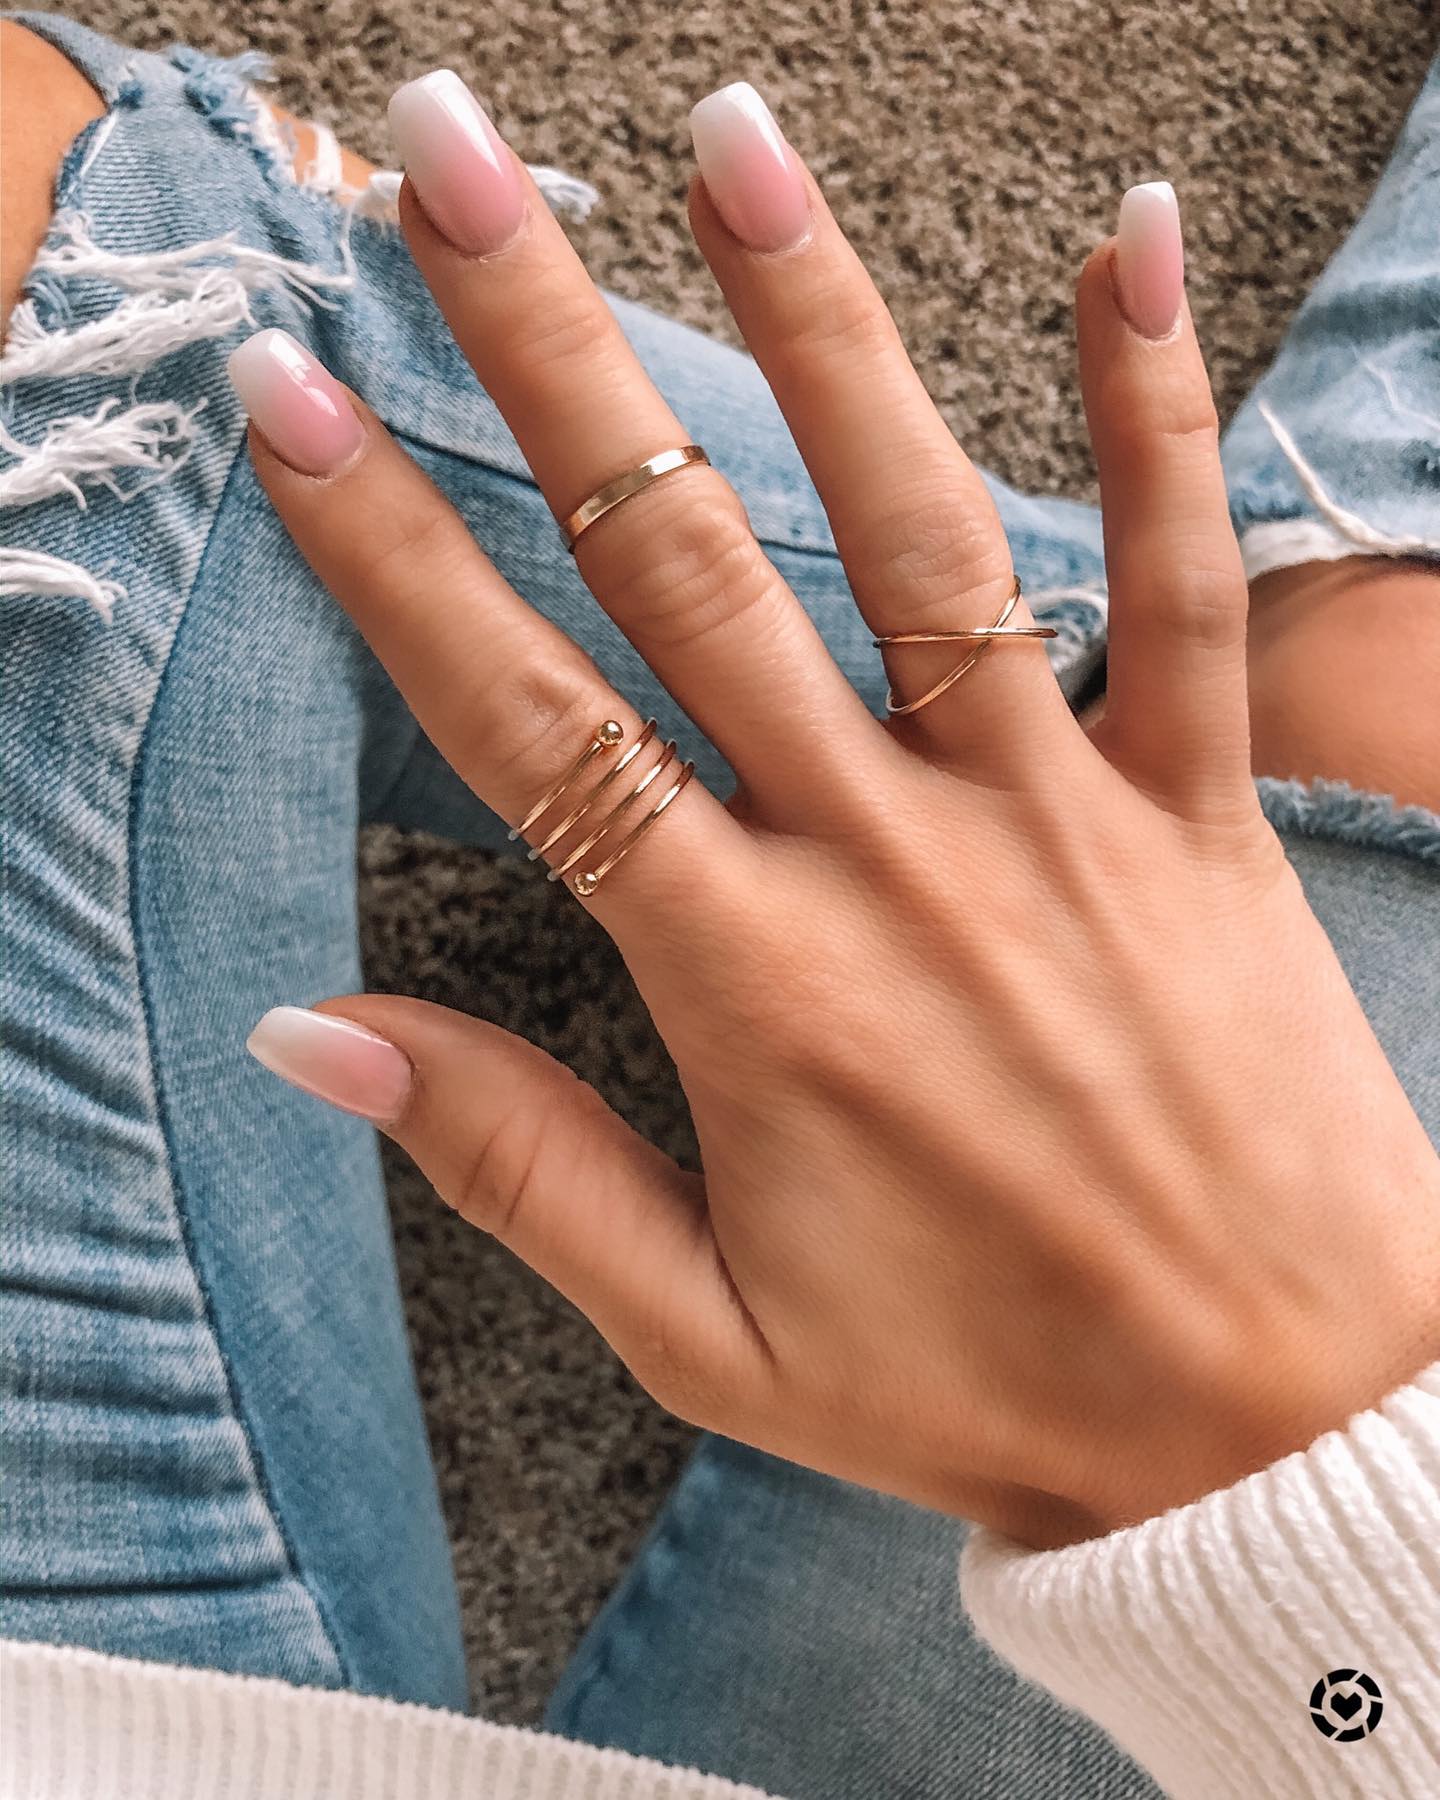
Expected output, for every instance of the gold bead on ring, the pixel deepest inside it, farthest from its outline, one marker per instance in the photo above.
(593, 869)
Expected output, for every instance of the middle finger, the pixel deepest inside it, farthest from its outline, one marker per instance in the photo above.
(676, 566)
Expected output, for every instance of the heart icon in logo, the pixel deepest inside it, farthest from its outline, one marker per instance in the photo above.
(1346, 1705)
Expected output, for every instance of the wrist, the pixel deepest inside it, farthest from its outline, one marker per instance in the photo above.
(1275, 1390)
(1196, 1641)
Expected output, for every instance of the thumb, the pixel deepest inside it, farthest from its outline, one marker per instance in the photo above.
(525, 1150)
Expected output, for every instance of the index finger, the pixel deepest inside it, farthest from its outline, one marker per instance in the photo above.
(506, 697)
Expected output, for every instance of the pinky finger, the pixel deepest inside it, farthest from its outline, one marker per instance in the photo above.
(1176, 719)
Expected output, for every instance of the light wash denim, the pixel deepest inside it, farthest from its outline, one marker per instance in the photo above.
(213, 1450)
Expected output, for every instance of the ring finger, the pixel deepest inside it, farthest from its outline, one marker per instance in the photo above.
(915, 525)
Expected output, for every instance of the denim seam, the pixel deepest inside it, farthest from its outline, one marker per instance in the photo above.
(87, 1590)
(637, 1585)
(488, 461)
(172, 1161)
(104, 70)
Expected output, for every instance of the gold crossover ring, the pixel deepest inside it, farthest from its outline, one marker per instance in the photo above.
(599, 851)
(624, 486)
(982, 636)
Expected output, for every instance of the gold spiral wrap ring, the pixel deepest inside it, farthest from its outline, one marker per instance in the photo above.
(606, 737)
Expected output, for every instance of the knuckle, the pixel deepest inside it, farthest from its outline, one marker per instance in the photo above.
(1203, 603)
(1198, 419)
(1190, 428)
(703, 568)
(842, 320)
(563, 326)
(424, 540)
(543, 716)
(501, 1177)
(669, 1367)
(928, 551)
(1177, 414)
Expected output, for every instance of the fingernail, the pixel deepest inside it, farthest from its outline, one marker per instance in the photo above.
(333, 1059)
(298, 405)
(1150, 259)
(457, 162)
(749, 171)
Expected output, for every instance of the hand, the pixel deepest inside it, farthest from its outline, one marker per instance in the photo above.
(1052, 1174)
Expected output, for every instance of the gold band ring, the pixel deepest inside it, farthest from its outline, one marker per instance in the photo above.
(632, 482)
(982, 636)
(607, 736)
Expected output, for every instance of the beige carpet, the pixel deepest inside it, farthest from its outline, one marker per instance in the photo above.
(975, 149)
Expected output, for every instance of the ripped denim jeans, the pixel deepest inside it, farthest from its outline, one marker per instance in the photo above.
(214, 1452)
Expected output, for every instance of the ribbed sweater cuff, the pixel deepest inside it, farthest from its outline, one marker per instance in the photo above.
(80, 1726)
(1196, 1639)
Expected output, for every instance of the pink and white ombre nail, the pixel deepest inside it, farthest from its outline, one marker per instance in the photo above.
(457, 163)
(749, 171)
(1150, 259)
(335, 1060)
(298, 406)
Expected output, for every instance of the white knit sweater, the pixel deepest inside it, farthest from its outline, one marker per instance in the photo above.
(1195, 1639)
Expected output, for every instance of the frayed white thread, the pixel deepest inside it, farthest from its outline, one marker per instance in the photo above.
(171, 299)
(174, 298)
(268, 131)
(1403, 407)
(97, 143)
(138, 332)
(1350, 525)
(89, 450)
(33, 572)
(76, 257)
(325, 171)
(378, 200)
(1286, 543)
